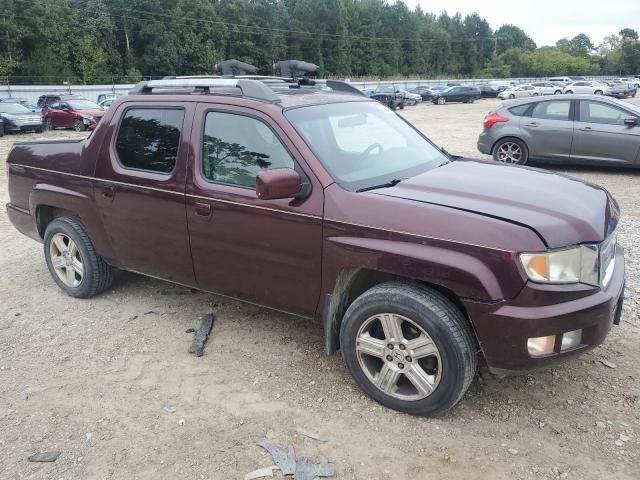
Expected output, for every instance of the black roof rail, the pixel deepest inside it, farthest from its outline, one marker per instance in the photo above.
(248, 87)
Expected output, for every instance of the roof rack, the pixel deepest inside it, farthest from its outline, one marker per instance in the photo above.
(249, 88)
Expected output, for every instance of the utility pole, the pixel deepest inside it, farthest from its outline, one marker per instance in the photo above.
(495, 46)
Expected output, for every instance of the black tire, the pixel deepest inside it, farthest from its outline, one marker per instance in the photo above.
(512, 96)
(598, 92)
(434, 314)
(524, 151)
(401, 105)
(97, 274)
(569, 92)
(471, 100)
(441, 101)
(48, 124)
(557, 92)
(78, 125)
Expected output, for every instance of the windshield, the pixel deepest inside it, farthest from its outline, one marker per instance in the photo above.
(385, 89)
(13, 108)
(83, 105)
(364, 144)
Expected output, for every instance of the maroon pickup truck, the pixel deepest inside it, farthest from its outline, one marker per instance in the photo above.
(329, 206)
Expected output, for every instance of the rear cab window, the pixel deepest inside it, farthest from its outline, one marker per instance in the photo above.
(148, 139)
(520, 110)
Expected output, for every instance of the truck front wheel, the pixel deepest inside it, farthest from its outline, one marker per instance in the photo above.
(72, 260)
(409, 348)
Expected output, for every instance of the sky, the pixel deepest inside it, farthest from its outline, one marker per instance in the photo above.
(547, 21)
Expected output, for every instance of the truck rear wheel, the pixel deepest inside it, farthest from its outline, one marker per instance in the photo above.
(409, 348)
(72, 260)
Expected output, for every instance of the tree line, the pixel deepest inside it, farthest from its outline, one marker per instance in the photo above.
(96, 41)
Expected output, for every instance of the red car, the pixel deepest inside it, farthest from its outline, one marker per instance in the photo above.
(76, 113)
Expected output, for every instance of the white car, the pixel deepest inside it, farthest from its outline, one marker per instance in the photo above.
(560, 81)
(106, 103)
(412, 98)
(634, 81)
(589, 87)
(548, 88)
(520, 91)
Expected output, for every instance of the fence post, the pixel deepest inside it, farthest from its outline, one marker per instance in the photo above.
(8, 86)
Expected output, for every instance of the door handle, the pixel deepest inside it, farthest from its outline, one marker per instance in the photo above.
(108, 192)
(532, 124)
(587, 129)
(202, 209)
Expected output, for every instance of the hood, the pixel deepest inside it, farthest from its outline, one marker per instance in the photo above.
(561, 210)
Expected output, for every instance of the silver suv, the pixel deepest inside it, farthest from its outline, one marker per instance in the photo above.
(563, 128)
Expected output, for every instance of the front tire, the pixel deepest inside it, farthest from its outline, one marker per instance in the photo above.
(78, 125)
(409, 348)
(48, 124)
(598, 92)
(72, 260)
(441, 101)
(558, 92)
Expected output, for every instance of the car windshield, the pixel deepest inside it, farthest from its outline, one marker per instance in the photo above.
(83, 105)
(364, 144)
(385, 89)
(13, 108)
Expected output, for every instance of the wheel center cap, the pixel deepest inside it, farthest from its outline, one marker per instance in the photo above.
(397, 355)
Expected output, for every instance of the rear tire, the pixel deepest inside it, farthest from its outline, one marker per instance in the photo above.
(432, 361)
(510, 150)
(598, 92)
(441, 101)
(48, 124)
(557, 92)
(569, 92)
(511, 97)
(72, 260)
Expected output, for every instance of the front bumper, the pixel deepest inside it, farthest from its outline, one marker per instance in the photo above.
(539, 310)
(22, 127)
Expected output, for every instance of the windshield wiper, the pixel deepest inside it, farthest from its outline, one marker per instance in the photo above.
(390, 183)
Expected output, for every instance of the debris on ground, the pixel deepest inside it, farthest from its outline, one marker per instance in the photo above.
(201, 335)
(607, 363)
(260, 473)
(312, 435)
(167, 407)
(301, 468)
(44, 457)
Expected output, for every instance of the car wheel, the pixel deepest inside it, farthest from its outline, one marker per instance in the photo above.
(569, 92)
(511, 150)
(512, 96)
(401, 106)
(72, 260)
(409, 348)
(598, 92)
(441, 101)
(48, 124)
(558, 92)
(535, 94)
(471, 100)
(78, 125)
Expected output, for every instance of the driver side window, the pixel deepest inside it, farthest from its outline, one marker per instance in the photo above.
(595, 112)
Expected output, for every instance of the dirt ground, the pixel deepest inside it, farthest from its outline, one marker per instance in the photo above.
(109, 383)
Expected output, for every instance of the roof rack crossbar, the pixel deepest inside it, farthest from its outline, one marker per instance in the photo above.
(249, 88)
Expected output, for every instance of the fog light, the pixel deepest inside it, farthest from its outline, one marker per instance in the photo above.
(541, 345)
(571, 339)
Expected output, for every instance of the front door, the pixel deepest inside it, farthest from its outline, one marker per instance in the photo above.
(548, 130)
(601, 134)
(263, 251)
(140, 191)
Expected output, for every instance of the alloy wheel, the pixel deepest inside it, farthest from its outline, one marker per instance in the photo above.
(398, 357)
(66, 259)
(509, 152)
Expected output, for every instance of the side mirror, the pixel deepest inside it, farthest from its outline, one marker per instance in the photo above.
(631, 121)
(278, 183)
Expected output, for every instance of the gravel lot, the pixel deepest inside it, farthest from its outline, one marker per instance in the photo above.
(109, 382)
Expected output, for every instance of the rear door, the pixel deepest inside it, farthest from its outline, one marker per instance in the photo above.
(267, 252)
(602, 136)
(140, 191)
(548, 129)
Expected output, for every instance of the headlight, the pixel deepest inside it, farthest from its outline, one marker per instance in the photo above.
(572, 265)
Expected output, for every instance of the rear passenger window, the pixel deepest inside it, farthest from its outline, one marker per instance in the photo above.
(554, 110)
(148, 139)
(236, 148)
(520, 110)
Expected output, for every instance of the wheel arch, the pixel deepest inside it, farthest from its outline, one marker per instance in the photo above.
(351, 283)
(45, 214)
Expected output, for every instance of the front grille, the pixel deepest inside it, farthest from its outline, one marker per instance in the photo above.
(607, 252)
